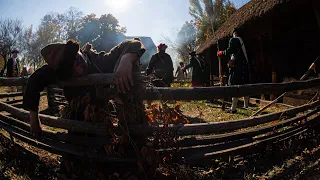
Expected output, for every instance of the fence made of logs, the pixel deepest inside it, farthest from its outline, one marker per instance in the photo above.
(197, 142)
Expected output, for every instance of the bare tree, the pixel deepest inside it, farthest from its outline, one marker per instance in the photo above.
(31, 46)
(10, 36)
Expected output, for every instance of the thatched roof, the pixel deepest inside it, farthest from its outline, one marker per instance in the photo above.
(250, 11)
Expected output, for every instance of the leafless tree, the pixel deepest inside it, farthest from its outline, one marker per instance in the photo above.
(10, 36)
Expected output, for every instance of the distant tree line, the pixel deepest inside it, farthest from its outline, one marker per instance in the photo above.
(103, 32)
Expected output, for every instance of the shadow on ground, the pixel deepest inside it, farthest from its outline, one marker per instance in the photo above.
(19, 163)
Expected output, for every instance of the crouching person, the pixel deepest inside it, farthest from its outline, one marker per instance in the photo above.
(65, 61)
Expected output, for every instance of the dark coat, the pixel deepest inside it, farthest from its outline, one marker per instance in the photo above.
(10, 67)
(198, 66)
(239, 74)
(162, 65)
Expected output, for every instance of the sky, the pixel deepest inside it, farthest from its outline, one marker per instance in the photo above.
(153, 18)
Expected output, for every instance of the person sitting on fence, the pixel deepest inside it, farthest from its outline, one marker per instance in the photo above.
(161, 65)
(198, 66)
(238, 66)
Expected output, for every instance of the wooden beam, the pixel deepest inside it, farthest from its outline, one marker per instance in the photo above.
(60, 136)
(197, 154)
(5, 95)
(201, 93)
(61, 148)
(208, 93)
(187, 129)
(72, 125)
(204, 140)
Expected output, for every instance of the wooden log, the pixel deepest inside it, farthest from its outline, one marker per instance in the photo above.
(72, 125)
(62, 148)
(192, 155)
(204, 93)
(61, 103)
(16, 81)
(15, 94)
(57, 90)
(218, 127)
(14, 101)
(60, 136)
(188, 129)
(208, 93)
(205, 140)
(59, 96)
(50, 98)
(97, 79)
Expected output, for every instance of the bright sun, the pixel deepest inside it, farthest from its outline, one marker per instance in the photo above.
(118, 6)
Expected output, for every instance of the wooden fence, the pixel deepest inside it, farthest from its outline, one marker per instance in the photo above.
(197, 142)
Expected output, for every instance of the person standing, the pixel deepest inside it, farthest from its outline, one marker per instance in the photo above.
(181, 75)
(198, 66)
(162, 66)
(238, 66)
(13, 68)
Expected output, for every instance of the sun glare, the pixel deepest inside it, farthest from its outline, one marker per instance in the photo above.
(118, 6)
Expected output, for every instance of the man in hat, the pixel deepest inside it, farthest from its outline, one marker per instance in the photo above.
(13, 65)
(67, 61)
(238, 66)
(198, 66)
(161, 65)
(13, 68)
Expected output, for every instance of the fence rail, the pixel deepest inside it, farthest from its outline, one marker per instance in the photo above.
(211, 139)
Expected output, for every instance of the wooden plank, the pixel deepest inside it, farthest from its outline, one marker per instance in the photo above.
(16, 81)
(72, 125)
(61, 148)
(14, 101)
(187, 129)
(218, 127)
(193, 155)
(208, 93)
(60, 136)
(204, 140)
(57, 90)
(59, 96)
(97, 79)
(199, 93)
(5, 95)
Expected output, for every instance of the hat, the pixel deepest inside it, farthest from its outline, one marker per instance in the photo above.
(162, 45)
(14, 51)
(53, 54)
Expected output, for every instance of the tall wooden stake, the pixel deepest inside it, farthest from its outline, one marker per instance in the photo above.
(221, 76)
(220, 67)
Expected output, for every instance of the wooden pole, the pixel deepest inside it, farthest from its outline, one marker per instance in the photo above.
(311, 68)
(50, 98)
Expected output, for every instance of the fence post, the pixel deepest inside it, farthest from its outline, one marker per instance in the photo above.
(50, 97)
(24, 73)
(274, 80)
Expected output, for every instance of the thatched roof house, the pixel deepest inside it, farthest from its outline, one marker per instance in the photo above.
(281, 36)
